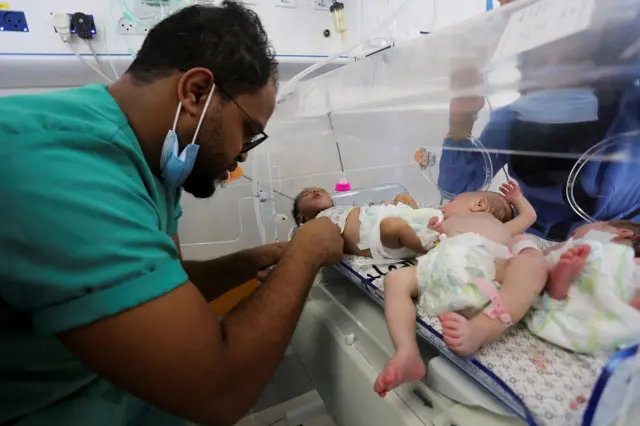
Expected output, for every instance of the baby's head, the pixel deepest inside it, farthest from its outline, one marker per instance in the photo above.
(480, 201)
(626, 232)
(309, 203)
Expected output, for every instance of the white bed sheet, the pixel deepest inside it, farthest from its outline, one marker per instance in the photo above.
(547, 385)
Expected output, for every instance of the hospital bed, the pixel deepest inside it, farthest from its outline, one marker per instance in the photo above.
(342, 341)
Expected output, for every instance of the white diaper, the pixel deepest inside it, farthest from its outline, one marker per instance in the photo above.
(596, 315)
(448, 274)
(417, 219)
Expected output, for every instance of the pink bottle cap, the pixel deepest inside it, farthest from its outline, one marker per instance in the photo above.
(343, 186)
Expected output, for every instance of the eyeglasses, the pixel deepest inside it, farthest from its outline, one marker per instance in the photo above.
(259, 137)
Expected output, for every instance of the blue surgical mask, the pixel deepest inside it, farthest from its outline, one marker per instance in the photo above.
(175, 168)
(558, 106)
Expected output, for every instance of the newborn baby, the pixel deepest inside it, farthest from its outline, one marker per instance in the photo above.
(459, 279)
(592, 296)
(393, 231)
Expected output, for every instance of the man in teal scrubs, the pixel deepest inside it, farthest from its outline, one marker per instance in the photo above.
(101, 322)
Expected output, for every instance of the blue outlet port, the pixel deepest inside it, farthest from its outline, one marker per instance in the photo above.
(93, 24)
(13, 20)
(72, 29)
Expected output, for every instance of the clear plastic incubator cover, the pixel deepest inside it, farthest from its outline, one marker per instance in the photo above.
(546, 92)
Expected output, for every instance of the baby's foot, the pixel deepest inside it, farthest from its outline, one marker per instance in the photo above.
(635, 303)
(402, 368)
(569, 266)
(460, 334)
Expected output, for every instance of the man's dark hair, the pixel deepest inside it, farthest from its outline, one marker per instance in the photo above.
(229, 40)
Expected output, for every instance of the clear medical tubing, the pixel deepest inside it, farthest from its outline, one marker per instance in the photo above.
(589, 155)
(488, 170)
(288, 87)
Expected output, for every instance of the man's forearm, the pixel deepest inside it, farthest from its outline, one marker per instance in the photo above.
(258, 331)
(215, 277)
(460, 128)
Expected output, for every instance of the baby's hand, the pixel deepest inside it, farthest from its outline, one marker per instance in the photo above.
(511, 191)
(436, 225)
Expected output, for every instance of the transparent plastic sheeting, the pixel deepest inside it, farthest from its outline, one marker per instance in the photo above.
(546, 92)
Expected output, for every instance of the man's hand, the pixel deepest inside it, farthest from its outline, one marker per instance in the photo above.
(268, 254)
(463, 110)
(322, 237)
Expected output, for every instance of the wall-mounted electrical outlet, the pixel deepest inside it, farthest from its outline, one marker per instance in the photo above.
(322, 4)
(72, 28)
(287, 3)
(92, 25)
(126, 27)
(13, 20)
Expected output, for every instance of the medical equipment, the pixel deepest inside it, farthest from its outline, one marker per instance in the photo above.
(526, 377)
(337, 15)
(386, 108)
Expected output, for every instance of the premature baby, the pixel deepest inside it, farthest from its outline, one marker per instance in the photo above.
(395, 230)
(480, 265)
(592, 296)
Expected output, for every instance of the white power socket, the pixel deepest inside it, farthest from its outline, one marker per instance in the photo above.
(322, 4)
(126, 27)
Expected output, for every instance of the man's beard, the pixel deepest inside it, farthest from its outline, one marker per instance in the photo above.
(200, 185)
(202, 181)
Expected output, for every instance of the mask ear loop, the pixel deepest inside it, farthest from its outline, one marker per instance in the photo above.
(175, 120)
(204, 112)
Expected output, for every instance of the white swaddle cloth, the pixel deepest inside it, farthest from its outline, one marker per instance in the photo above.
(418, 219)
(596, 315)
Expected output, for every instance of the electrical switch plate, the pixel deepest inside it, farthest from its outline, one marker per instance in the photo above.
(126, 27)
(287, 3)
(13, 20)
(322, 4)
(72, 28)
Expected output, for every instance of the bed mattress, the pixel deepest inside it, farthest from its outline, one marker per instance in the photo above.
(540, 382)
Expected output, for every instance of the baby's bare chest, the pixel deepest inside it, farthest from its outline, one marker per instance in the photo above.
(479, 223)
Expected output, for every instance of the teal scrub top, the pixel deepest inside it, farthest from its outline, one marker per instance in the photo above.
(86, 233)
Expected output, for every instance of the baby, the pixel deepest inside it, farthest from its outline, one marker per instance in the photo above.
(459, 279)
(397, 230)
(592, 296)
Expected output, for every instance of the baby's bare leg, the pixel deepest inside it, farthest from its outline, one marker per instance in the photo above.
(524, 279)
(406, 199)
(406, 365)
(395, 233)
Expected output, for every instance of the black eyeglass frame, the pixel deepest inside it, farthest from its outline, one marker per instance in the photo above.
(259, 137)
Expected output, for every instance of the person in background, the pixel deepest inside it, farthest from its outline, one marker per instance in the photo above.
(562, 115)
(101, 321)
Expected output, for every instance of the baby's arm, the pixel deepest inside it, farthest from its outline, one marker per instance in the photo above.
(526, 214)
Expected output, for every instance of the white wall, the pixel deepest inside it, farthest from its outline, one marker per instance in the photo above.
(227, 221)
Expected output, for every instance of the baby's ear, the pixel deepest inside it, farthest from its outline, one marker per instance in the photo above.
(480, 205)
